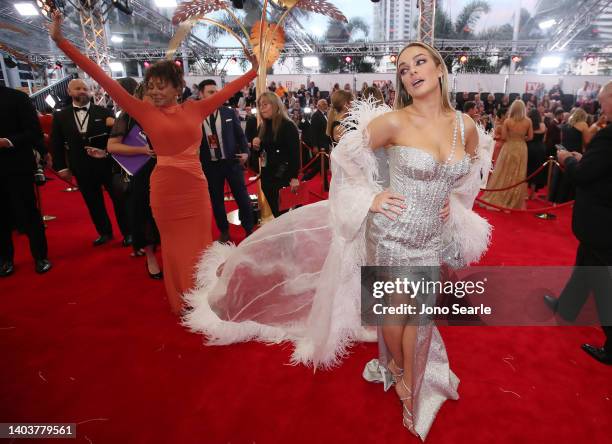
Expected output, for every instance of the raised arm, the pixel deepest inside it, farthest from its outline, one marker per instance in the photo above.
(207, 106)
(129, 104)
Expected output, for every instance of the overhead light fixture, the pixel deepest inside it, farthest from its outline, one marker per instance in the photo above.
(26, 9)
(348, 59)
(550, 62)
(463, 59)
(165, 3)
(546, 24)
(516, 58)
(116, 39)
(310, 62)
(116, 66)
(253, 111)
(47, 7)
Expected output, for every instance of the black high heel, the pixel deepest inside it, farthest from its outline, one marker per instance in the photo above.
(156, 276)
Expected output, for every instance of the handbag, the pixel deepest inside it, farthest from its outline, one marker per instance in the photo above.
(120, 182)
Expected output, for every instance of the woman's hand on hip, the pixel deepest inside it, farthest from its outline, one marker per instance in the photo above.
(388, 203)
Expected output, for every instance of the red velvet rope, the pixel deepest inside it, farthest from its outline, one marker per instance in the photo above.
(530, 210)
(527, 179)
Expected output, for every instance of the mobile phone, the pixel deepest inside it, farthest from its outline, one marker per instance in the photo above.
(560, 147)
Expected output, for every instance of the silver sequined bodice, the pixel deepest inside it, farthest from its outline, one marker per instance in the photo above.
(414, 238)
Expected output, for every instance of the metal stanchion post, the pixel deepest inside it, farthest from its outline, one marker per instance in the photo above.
(301, 155)
(265, 214)
(548, 216)
(323, 172)
(45, 217)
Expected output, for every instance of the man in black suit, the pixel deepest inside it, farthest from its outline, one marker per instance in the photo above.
(77, 129)
(314, 91)
(320, 140)
(224, 152)
(591, 223)
(19, 133)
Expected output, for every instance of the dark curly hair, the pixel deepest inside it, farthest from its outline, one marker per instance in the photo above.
(166, 71)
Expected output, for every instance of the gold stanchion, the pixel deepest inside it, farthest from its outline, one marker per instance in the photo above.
(265, 213)
(301, 156)
(548, 216)
(323, 172)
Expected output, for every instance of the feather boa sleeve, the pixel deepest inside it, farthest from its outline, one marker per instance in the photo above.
(354, 170)
(467, 229)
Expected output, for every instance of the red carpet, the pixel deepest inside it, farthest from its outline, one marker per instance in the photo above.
(93, 342)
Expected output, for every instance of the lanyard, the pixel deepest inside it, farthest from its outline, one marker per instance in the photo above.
(81, 123)
(207, 122)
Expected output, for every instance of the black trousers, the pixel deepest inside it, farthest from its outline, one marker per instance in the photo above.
(271, 186)
(591, 274)
(216, 175)
(18, 208)
(90, 185)
(144, 228)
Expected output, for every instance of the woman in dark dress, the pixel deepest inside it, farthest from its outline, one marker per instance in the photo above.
(536, 153)
(575, 135)
(144, 230)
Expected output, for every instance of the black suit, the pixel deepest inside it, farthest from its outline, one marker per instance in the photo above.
(321, 141)
(91, 174)
(19, 124)
(227, 169)
(591, 224)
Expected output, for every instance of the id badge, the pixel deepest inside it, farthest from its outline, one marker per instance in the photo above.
(213, 144)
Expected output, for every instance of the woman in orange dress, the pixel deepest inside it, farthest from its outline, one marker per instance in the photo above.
(179, 191)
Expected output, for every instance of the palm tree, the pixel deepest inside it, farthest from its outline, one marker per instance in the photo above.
(250, 15)
(338, 32)
(463, 27)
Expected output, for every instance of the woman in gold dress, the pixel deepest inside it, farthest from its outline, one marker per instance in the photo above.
(511, 165)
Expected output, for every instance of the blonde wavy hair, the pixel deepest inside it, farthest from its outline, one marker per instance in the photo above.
(579, 115)
(279, 113)
(403, 99)
(517, 110)
(339, 100)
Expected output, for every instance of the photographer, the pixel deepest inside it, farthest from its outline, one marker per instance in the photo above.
(19, 134)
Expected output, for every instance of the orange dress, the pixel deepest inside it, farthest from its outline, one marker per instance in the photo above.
(179, 191)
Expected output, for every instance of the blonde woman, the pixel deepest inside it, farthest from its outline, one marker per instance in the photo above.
(297, 279)
(511, 165)
(340, 104)
(575, 136)
(278, 142)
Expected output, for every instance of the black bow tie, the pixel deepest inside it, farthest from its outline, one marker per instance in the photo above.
(84, 108)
